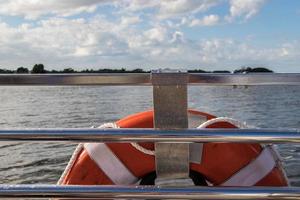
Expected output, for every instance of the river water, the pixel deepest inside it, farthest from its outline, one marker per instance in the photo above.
(70, 107)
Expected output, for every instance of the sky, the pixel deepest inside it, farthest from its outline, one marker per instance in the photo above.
(150, 34)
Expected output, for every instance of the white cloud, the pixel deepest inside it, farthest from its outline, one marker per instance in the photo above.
(147, 39)
(208, 20)
(156, 34)
(171, 8)
(33, 9)
(231, 52)
(130, 20)
(58, 39)
(137, 5)
(165, 9)
(244, 8)
(99, 42)
(161, 9)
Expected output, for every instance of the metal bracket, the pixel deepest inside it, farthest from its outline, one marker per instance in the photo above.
(170, 112)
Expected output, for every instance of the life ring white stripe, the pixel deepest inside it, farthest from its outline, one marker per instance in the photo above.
(108, 162)
(254, 171)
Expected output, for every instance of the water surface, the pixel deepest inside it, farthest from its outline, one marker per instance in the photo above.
(70, 107)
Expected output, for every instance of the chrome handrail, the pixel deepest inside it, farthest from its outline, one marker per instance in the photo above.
(76, 79)
(147, 135)
(153, 135)
(145, 79)
(148, 192)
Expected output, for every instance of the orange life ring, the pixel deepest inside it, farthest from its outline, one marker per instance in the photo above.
(220, 163)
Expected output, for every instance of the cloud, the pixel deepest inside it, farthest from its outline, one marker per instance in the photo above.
(160, 9)
(174, 8)
(33, 9)
(130, 20)
(208, 20)
(232, 52)
(169, 8)
(157, 36)
(244, 8)
(137, 5)
(61, 39)
(100, 42)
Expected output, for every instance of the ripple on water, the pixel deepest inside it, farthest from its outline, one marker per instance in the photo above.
(70, 107)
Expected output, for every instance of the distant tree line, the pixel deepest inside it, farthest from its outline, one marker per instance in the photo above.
(253, 70)
(243, 70)
(40, 69)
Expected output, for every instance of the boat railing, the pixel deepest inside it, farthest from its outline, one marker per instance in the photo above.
(169, 99)
(144, 79)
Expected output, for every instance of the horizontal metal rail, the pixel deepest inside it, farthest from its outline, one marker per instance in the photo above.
(145, 79)
(154, 135)
(76, 79)
(245, 79)
(148, 192)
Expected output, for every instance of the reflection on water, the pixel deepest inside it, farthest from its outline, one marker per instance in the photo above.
(66, 107)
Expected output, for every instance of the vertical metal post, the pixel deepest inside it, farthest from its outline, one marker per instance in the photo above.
(170, 112)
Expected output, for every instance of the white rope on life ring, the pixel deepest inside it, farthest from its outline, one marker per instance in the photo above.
(70, 163)
(203, 125)
(234, 122)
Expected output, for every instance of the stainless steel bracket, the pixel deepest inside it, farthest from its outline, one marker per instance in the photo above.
(170, 112)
